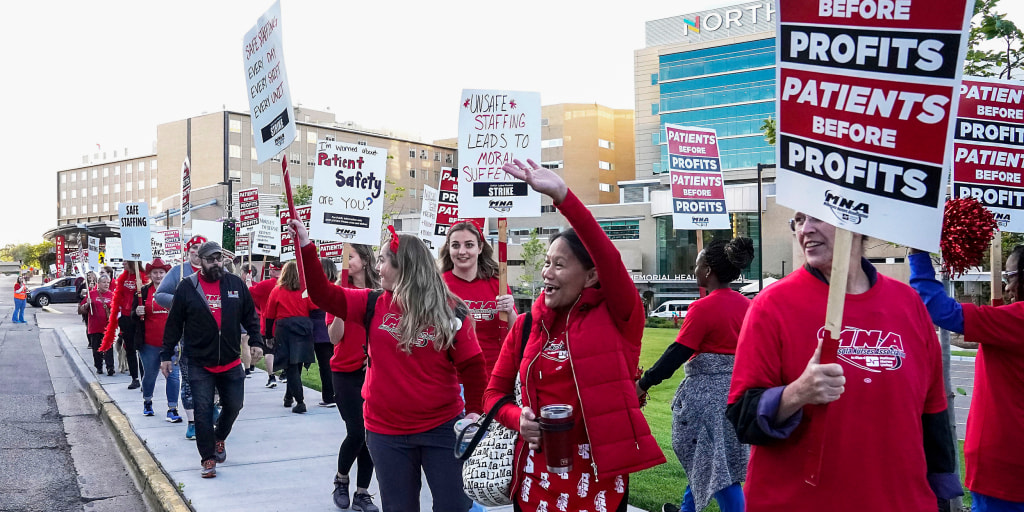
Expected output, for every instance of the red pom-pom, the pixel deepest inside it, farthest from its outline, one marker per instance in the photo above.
(967, 229)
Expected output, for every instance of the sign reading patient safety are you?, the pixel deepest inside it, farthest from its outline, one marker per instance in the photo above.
(348, 193)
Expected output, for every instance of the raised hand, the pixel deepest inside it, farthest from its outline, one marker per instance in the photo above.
(540, 179)
(298, 231)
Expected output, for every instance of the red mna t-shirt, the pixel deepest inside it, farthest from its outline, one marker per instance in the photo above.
(156, 320)
(712, 323)
(479, 296)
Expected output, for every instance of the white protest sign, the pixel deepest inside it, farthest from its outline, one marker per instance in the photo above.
(266, 81)
(496, 127)
(428, 220)
(348, 193)
(212, 230)
(866, 102)
(115, 252)
(267, 238)
(134, 221)
(698, 191)
(243, 244)
(156, 242)
(92, 254)
(186, 192)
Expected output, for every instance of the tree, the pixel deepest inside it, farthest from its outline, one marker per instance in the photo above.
(989, 26)
(768, 129)
(533, 261)
(303, 195)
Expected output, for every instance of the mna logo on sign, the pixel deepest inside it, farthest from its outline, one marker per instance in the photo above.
(846, 209)
(1002, 219)
(700, 221)
(345, 233)
(499, 206)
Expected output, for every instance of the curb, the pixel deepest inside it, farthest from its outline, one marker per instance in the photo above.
(160, 494)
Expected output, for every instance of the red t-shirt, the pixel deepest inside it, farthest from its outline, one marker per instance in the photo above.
(100, 310)
(348, 353)
(874, 451)
(212, 291)
(994, 457)
(479, 296)
(126, 292)
(712, 323)
(260, 294)
(287, 304)
(156, 320)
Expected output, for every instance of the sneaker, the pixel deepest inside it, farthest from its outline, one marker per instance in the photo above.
(209, 468)
(669, 507)
(248, 373)
(299, 408)
(287, 401)
(341, 499)
(283, 378)
(147, 408)
(190, 432)
(172, 416)
(220, 454)
(135, 384)
(110, 372)
(326, 404)
(271, 382)
(364, 502)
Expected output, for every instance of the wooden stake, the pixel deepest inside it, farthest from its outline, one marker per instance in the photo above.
(997, 270)
(701, 291)
(503, 265)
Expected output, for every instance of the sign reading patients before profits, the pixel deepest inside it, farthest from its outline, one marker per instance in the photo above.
(266, 82)
(248, 208)
(348, 193)
(496, 127)
(866, 98)
(287, 245)
(172, 243)
(134, 221)
(448, 204)
(988, 151)
(698, 193)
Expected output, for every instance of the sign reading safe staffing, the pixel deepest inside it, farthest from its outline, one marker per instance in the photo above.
(988, 152)
(270, 101)
(496, 127)
(348, 193)
(135, 241)
(698, 194)
(866, 96)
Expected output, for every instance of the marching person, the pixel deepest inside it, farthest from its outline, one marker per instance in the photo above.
(20, 296)
(469, 270)
(98, 315)
(421, 345)
(322, 346)
(348, 371)
(126, 288)
(993, 456)
(287, 322)
(207, 311)
(704, 441)
(151, 318)
(583, 351)
(260, 293)
(887, 418)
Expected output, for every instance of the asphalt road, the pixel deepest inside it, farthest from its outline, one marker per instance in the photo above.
(55, 451)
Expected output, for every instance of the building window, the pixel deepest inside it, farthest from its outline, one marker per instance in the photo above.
(152, 183)
(423, 154)
(74, 194)
(294, 159)
(412, 173)
(74, 210)
(128, 187)
(256, 178)
(621, 229)
(252, 153)
(554, 164)
(106, 172)
(412, 193)
(654, 109)
(604, 166)
(95, 208)
(94, 190)
(656, 168)
(128, 168)
(94, 174)
(117, 170)
(64, 178)
(234, 151)
(447, 158)
(106, 207)
(275, 180)
(234, 126)
(74, 177)
(63, 212)
(329, 137)
(83, 176)
(604, 187)
(142, 167)
(606, 144)
(63, 194)
(235, 175)
(551, 143)
(117, 188)
(152, 164)
(412, 153)
(655, 138)
(654, 79)
(142, 186)
(543, 121)
(106, 189)
(311, 137)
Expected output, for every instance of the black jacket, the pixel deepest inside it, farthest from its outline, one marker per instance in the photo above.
(205, 343)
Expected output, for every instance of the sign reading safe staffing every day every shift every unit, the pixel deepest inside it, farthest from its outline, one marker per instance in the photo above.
(270, 101)
(866, 96)
(698, 194)
(496, 127)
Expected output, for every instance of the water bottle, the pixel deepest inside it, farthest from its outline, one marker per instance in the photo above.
(470, 428)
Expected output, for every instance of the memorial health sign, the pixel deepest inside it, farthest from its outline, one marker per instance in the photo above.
(866, 98)
(134, 221)
(698, 193)
(988, 151)
(496, 127)
(348, 193)
(266, 81)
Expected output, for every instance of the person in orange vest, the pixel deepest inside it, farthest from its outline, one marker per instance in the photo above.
(20, 294)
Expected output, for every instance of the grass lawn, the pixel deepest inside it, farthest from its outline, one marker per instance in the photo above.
(310, 377)
(964, 353)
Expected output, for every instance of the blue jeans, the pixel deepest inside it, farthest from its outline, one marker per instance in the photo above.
(150, 356)
(19, 311)
(983, 503)
(729, 499)
(231, 387)
(399, 459)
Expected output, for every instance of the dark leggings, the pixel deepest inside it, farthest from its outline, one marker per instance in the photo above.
(98, 358)
(293, 389)
(127, 337)
(348, 394)
(324, 352)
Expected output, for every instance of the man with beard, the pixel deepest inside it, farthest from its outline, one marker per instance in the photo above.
(208, 308)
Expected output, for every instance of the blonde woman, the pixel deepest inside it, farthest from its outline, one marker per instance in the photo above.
(421, 345)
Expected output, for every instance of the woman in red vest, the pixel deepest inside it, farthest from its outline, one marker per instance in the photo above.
(583, 350)
(20, 294)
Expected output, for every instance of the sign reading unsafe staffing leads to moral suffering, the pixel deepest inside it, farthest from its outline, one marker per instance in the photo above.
(348, 193)
(866, 97)
(133, 219)
(266, 81)
(698, 193)
(988, 151)
(496, 127)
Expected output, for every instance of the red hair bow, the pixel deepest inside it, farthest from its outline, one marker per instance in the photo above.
(394, 239)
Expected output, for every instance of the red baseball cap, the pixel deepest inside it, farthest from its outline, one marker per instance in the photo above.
(196, 240)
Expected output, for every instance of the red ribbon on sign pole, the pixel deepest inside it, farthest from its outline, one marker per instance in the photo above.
(291, 210)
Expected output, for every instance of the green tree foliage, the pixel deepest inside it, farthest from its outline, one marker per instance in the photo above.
(988, 25)
(533, 261)
(768, 129)
(303, 195)
(39, 255)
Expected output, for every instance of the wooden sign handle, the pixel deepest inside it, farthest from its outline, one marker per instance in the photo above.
(997, 270)
(701, 291)
(503, 264)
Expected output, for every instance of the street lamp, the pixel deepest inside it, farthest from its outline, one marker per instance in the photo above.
(229, 183)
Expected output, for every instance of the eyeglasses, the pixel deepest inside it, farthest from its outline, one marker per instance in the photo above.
(1008, 274)
(213, 258)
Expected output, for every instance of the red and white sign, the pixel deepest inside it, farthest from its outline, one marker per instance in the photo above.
(242, 245)
(248, 208)
(988, 151)
(186, 192)
(59, 250)
(287, 246)
(172, 243)
(332, 250)
(698, 192)
(867, 94)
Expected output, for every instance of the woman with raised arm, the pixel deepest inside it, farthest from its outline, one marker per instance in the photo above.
(582, 351)
(421, 344)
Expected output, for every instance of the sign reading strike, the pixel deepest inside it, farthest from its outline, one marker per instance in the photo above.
(287, 247)
(186, 192)
(134, 221)
(267, 237)
(866, 93)
(270, 101)
(496, 127)
(348, 193)
(988, 150)
(698, 193)
(248, 208)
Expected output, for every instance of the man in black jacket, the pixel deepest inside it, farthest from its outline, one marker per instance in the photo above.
(208, 307)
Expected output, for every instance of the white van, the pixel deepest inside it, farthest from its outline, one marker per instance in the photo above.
(672, 309)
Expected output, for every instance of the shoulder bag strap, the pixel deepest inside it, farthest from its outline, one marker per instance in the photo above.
(371, 307)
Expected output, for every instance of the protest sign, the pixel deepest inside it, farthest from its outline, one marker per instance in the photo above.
(156, 243)
(186, 192)
(332, 250)
(134, 221)
(496, 127)
(92, 254)
(115, 252)
(988, 149)
(287, 246)
(212, 230)
(266, 83)
(698, 191)
(428, 220)
(58, 242)
(267, 238)
(448, 204)
(348, 193)
(865, 105)
(242, 245)
(172, 243)
(248, 209)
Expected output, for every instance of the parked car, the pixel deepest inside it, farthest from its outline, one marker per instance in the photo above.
(59, 290)
(672, 309)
